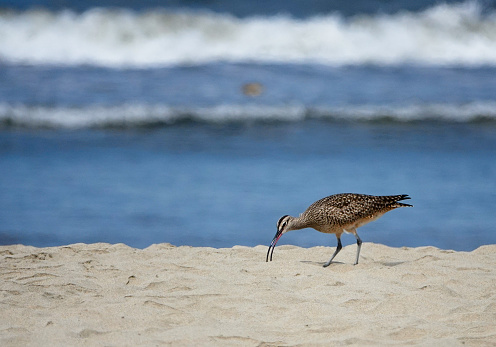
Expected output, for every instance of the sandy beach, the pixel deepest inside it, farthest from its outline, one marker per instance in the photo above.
(115, 295)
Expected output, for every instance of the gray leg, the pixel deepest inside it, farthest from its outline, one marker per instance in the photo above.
(359, 246)
(338, 248)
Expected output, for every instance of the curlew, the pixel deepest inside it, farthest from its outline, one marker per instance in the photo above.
(339, 213)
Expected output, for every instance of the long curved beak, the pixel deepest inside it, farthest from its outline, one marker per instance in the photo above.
(273, 245)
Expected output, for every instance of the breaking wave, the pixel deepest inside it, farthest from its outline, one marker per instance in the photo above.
(445, 34)
(135, 116)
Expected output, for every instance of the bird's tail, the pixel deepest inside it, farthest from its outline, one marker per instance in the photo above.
(400, 198)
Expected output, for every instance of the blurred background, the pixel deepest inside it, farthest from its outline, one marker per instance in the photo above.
(203, 122)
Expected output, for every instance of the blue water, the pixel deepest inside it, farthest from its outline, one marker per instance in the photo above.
(132, 126)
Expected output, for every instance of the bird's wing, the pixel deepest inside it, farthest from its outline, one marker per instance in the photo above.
(346, 208)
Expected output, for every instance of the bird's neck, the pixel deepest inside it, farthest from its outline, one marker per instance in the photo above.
(299, 223)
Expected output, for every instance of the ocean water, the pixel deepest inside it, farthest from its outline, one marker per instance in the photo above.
(129, 121)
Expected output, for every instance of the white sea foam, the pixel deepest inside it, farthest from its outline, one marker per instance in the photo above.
(130, 116)
(452, 34)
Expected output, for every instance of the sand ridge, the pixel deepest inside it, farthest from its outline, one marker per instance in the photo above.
(103, 294)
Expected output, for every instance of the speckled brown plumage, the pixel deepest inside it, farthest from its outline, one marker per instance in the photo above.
(340, 213)
(344, 210)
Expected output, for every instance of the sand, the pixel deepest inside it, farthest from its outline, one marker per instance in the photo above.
(115, 295)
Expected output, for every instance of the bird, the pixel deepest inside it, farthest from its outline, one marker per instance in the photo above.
(339, 213)
(252, 89)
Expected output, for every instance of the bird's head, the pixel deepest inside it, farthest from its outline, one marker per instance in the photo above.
(283, 226)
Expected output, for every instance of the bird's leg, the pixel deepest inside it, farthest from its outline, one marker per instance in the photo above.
(338, 248)
(359, 245)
